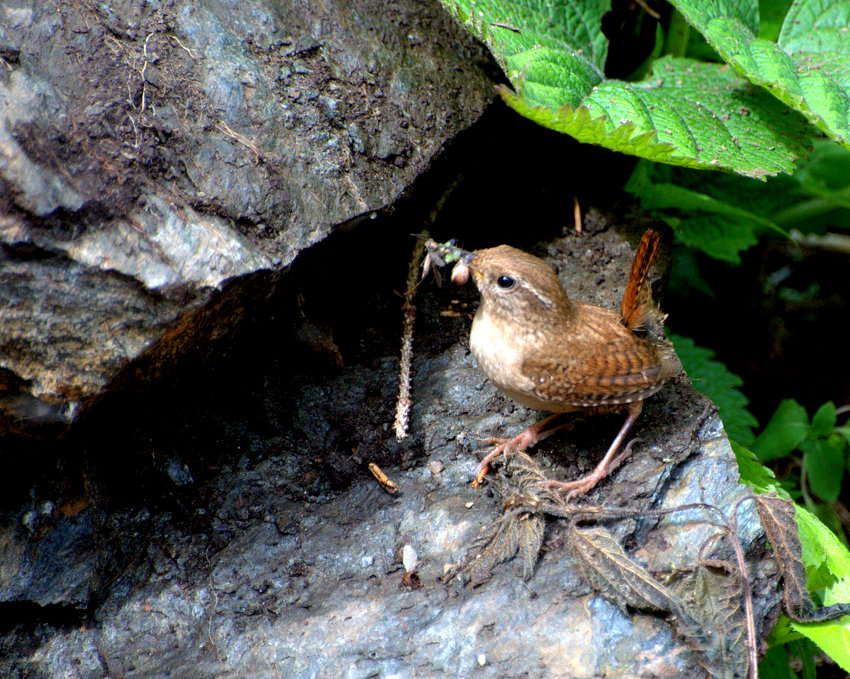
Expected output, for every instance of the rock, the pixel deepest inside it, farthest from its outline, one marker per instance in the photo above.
(152, 156)
(292, 572)
(52, 562)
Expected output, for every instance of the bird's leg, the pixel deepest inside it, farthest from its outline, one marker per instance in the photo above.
(532, 435)
(609, 462)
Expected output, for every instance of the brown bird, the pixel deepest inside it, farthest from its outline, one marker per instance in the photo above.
(550, 353)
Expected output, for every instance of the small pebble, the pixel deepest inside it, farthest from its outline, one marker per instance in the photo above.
(436, 467)
(409, 559)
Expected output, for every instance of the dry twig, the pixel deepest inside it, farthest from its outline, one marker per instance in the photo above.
(408, 310)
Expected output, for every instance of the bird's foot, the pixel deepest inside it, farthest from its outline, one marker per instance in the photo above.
(503, 445)
(532, 435)
(586, 483)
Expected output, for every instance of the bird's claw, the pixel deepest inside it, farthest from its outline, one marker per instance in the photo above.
(483, 468)
(480, 472)
(587, 483)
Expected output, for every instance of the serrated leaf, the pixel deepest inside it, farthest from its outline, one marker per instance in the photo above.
(717, 213)
(721, 214)
(829, 518)
(787, 429)
(782, 633)
(519, 531)
(821, 546)
(809, 68)
(662, 195)
(711, 378)
(685, 113)
(754, 473)
(713, 598)
(717, 236)
(606, 567)
(778, 518)
(825, 467)
(510, 28)
(823, 421)
(827, 173)
(531, 529)
(700, 115)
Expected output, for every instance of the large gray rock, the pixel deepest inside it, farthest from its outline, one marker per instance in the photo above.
(150, 153)
(289, 577)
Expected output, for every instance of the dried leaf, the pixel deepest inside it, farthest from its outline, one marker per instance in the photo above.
(531, 528)
(519, 530)
(778, 519)
(607, 568)
(716, 629)
(386, 482)
(494, 544)
(706, 608)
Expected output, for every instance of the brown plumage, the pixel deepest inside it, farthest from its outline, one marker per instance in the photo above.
(637, 309)
(550, 353)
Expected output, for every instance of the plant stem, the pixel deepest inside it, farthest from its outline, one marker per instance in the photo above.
(677, 35)
(805, 211)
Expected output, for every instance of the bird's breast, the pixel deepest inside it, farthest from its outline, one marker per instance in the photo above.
(500, 352)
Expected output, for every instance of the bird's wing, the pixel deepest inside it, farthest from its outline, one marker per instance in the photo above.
(596, 368)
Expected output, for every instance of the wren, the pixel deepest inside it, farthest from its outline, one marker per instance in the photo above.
(551, 353)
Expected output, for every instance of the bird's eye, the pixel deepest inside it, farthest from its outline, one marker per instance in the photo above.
(505, 282)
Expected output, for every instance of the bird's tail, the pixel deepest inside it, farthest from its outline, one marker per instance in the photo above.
(639, 312)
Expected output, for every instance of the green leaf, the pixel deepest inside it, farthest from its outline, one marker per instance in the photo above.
(716, 213)
(832, 637)
(512, 27)
(819, 577)
(775, 664)
(782, 633)
(717, 236)
(809, 68)
(820, 546)
(685, 273)
(804, 651)
(754, 473)
(825, 467)
(700, 115)
(771, 16)
(829, 518)
(685, 113)
(786, 430)
(823, 421)
(721, 386)
(723, 214)
(661, 195)
(826, 173)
